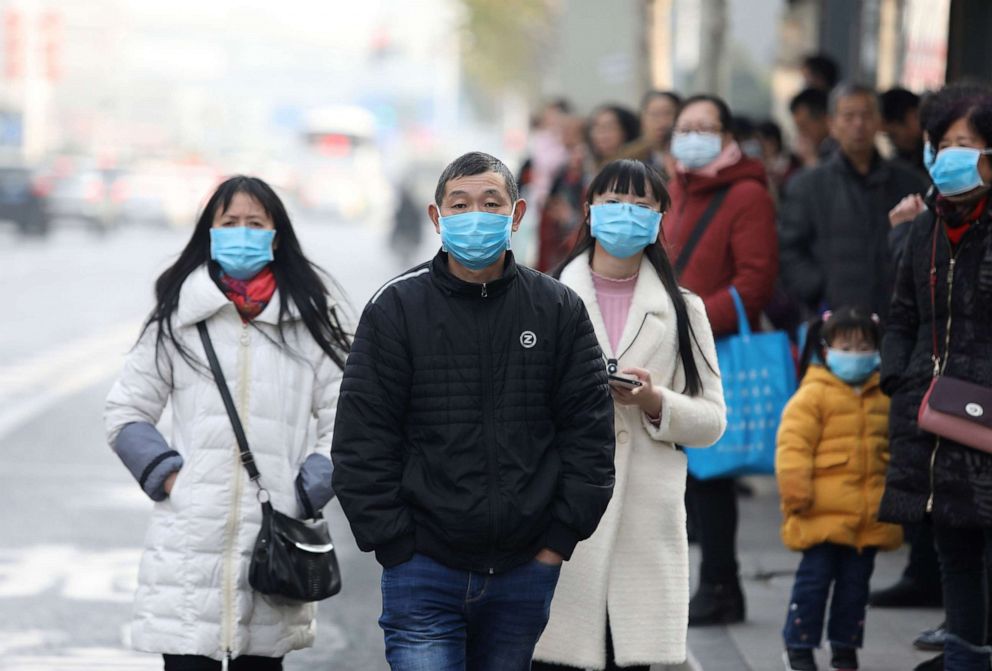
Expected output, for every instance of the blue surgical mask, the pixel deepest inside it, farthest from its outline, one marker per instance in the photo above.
(242, 252)
(852, 367)
(695, 150)
(624, 229)
(929, 155)
(476, 239)
(955, 170)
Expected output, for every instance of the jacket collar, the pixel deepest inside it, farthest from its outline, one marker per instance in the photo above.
(453, 286)
(200, 298)
(650, 300)
(878, 173)
(819, 373)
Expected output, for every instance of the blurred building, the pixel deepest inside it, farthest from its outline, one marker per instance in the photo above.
(750, 51)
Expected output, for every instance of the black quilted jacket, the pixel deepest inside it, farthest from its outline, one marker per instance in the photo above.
(474, 424)
(962, 477)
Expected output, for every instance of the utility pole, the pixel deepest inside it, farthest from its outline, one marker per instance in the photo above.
(712, 46)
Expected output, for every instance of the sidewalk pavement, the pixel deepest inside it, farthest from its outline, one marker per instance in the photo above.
(767, 569)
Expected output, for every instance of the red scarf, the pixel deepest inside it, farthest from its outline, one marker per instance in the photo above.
(250, 296)
(956, 221)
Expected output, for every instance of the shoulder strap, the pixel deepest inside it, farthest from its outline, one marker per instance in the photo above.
(699, 229)
(239, 432)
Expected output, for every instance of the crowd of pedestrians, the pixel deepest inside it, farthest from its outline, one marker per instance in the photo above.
(508, 441)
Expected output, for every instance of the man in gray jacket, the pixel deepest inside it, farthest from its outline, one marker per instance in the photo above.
(834, 231)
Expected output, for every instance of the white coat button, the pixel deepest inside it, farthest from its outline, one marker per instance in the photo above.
(623, 437)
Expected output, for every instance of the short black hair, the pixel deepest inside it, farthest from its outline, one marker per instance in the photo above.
(812, 99)
(743, 127)
(726, 118)
(897, 103)
(560, 104)
(770, 130)
(475, 163)
(823, 66)
(629, 122)
(975, 105)
(849, 90)
(934, 100)
(654, 94)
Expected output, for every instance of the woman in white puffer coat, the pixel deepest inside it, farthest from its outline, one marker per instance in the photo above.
(281, 347)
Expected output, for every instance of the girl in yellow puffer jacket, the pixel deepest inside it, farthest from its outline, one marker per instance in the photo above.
(831, 458)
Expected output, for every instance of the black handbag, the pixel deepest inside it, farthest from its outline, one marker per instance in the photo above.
(293, 559)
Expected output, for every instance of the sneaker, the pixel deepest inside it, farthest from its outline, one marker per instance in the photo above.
(843, 659)
(799, 659)
(931, 639)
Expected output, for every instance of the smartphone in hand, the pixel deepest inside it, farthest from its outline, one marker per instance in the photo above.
(626, 381)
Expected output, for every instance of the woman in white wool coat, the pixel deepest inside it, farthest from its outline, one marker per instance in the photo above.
(622, 601)
(281, 348)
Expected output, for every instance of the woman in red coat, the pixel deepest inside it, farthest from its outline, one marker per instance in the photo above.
(737, 246)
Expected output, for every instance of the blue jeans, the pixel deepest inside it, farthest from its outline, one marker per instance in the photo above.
(849, 572)
(437, 618)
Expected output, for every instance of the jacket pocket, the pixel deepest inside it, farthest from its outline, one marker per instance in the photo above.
(830, 460)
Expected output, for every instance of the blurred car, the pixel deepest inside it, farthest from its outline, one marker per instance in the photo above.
(163, 193)
(82, 196)
(342, 171)
(22, 200)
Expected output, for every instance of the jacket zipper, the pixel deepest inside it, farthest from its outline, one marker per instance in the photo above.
(943, 364)
(231, 535)
(485, 291)
(488, 428)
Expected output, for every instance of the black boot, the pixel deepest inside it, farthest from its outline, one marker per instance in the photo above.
(907, 593)
(716, 603)
(843, 658)
(935, 664)
(799, 659)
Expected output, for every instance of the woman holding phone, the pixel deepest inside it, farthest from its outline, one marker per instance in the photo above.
(622, 601)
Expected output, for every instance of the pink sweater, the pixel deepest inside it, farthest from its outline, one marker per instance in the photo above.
(614, 298)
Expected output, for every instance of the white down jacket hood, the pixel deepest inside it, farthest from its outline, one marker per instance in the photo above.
(193, 595)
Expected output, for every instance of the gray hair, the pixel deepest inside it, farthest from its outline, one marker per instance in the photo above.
(475, 163)
(849, 90)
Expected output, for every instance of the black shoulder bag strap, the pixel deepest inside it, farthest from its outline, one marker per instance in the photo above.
(239, 432)
(699, 230)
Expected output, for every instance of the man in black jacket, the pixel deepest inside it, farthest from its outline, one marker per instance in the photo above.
(834, 232)
(474, 439)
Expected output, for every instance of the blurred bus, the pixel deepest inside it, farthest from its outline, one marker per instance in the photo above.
(342, 175)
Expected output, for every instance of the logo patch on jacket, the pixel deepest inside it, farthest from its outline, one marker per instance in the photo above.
(528, 339)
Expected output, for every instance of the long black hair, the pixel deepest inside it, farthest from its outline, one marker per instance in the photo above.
(298, 279)
(620, 177)
(824, 328)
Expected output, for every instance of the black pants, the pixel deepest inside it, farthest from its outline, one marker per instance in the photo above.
(197, 663)
(611, 662)
(964, 568)
(923, 567)
(713, 504)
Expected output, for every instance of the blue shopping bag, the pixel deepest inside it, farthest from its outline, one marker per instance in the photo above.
(759, 378)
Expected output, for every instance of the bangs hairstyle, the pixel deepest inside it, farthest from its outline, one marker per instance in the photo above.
(297, 278)
(624, 176)
(847, 320)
